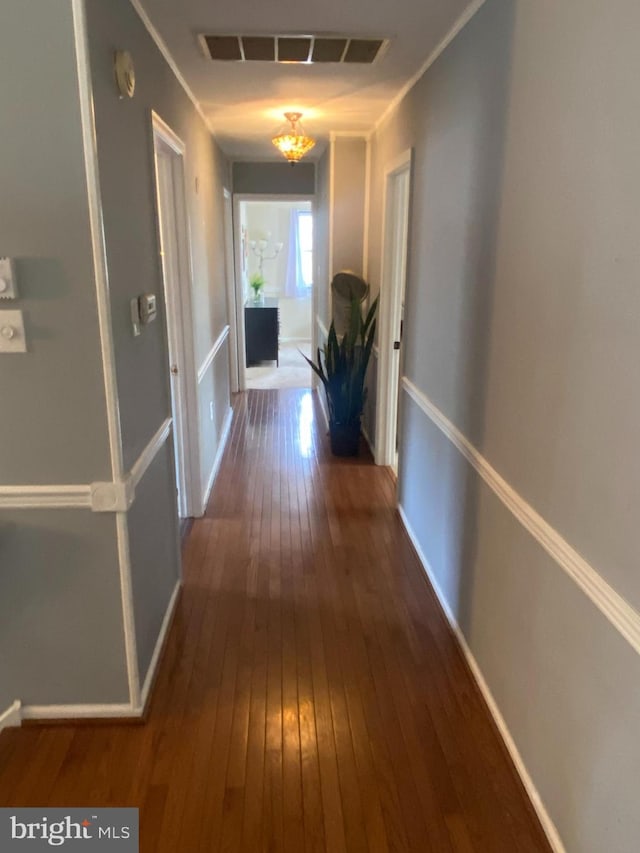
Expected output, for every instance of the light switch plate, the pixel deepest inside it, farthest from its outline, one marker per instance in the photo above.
(8, 288)
(12, 337)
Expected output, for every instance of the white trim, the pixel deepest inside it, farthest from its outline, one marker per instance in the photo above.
(543, 815)
(239, 356)
(101, 273)
(226, 429)
(314, 289)
(376, 350)
(96, 222)
(135, 709)
(164, 50)
(389, 364)
(179, 320)
(98, 497)
(167, 134)
(150, 452)
(112, 497)
(332, 198)
(322, 327)
(213, 352)
(611, 604)
(458, 26)
(157, 651)
(349, 134)
(230, 282)
(12, 717)
(70, 712)
(40, 497)
(128, 615)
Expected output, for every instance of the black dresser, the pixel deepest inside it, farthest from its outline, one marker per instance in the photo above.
(261, 326)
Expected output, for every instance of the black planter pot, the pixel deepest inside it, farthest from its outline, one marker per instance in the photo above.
(345, 439)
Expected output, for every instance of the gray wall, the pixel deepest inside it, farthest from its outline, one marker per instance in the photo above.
(125, 150)
(44, 225)
(127, 179)
(521, 326)
(61, 622)
(274, 178)
(349, 175)
(61, 629)
(61, 632)
(154, 556)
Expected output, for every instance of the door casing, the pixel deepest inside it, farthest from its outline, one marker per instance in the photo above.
(179, 318)
(395, 245)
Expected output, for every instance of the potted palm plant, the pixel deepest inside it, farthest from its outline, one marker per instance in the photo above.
(342, 369)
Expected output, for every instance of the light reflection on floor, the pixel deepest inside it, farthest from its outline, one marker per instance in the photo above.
(305, 424)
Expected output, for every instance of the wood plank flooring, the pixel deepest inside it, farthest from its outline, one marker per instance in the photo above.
(311, 696)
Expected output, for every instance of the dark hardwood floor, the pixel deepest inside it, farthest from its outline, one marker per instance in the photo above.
(311, 696)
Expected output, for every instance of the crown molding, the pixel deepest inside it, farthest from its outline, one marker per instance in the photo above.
(458, 26)
(166, 53)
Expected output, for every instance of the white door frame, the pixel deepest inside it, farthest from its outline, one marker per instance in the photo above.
(230, 273)
(238, 319)
(390, 304)
(179, 318)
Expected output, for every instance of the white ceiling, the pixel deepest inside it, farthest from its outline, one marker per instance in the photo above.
(244, 102)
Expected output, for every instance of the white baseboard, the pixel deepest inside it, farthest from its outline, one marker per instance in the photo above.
(155, 658)
(76, 712)
(12, 717)
(226, 429)
(543, 816)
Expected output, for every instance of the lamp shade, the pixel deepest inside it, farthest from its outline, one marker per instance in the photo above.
(291, 140)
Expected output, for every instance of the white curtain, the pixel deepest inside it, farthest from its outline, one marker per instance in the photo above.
(294, 284)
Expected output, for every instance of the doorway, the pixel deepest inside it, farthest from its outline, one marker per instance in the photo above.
(394, 272)
(274, 290)
(176, 275)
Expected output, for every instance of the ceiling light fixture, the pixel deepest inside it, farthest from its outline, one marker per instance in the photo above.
(291, 140)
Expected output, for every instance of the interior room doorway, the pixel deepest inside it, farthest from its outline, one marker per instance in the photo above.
(274, 290)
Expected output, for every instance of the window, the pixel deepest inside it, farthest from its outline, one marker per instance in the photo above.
(305, 242)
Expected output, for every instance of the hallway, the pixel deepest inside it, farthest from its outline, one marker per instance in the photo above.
(311, 695)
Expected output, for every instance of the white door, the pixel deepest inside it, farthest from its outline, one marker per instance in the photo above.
(170, 195)
(394, 268)
(398, 278)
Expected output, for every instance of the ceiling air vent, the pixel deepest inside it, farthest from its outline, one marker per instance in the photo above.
(258, 48)
(329, 50)
(303, 49)
(223, 47)
(362, 50)
(294, 49)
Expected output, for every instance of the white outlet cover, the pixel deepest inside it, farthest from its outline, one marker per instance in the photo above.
(12, 336)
